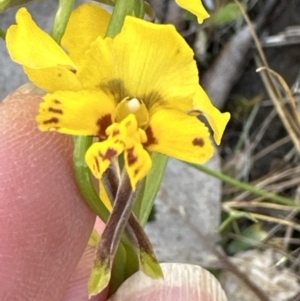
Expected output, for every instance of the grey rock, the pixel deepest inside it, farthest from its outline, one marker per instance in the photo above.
(187, 214)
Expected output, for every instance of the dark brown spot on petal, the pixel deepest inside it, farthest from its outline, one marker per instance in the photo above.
(115, 133)
(56, 101)
(103, 122)
(178, 51)
(150, 136)
(109, 154)
(73, 71)
(51, 120)
(136, 171)
(57, 111)
(131, 158)
(198, 142)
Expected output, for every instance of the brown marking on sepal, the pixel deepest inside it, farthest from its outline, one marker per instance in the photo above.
(198, 142)
(51, 120)
(131, 158)
(109, 154)
(56, 111)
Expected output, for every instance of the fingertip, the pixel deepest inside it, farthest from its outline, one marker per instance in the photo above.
(182, 282)
(45, 225)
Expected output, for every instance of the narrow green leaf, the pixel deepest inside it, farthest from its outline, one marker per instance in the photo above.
(150, 266)
(94, 239)
(99, 278)
(110, 239)
(118, 271)
(83, 178)
(235, 214)
(108, 2)
(226, 14)
(62, 17)
(122, 9)
(149, 11)
(2, 34)
(149, 263)
(249, 238)
(150, 187)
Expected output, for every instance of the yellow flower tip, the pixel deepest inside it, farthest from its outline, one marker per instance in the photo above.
(216, 119)
(31, 47)
(195, 7)
(100, 155)
(222, 123)
(93, 21)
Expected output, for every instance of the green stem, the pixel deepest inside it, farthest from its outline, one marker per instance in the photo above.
(257, 191)
(122, 9)
(2, 34)
(61, 20)
(150, 187)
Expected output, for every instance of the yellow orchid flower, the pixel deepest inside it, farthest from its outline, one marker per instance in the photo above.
(131, 92)
(195, 7)
(44, 61)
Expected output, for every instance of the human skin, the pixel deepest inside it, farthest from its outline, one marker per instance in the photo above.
(45, 224)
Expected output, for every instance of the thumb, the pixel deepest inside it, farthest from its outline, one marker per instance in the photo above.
(182, 282)
(45, 224)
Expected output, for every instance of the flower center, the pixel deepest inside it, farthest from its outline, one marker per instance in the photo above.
(133, 106)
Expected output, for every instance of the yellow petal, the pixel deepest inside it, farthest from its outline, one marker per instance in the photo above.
(54, 78)
(100, 155)
(138, 163)
(86, 23)
(84, 112)
(124, 136)
(178, 135)
(195, 7)
(137, 160)
(30, 46)
(216, 119)
(147, 61)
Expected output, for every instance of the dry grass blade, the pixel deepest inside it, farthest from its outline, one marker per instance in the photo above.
(287, 90)
(274, 90)
(274, 182)
(257, 204)
(271, 147)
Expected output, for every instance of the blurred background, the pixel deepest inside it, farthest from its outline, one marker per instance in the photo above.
(248, 236)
